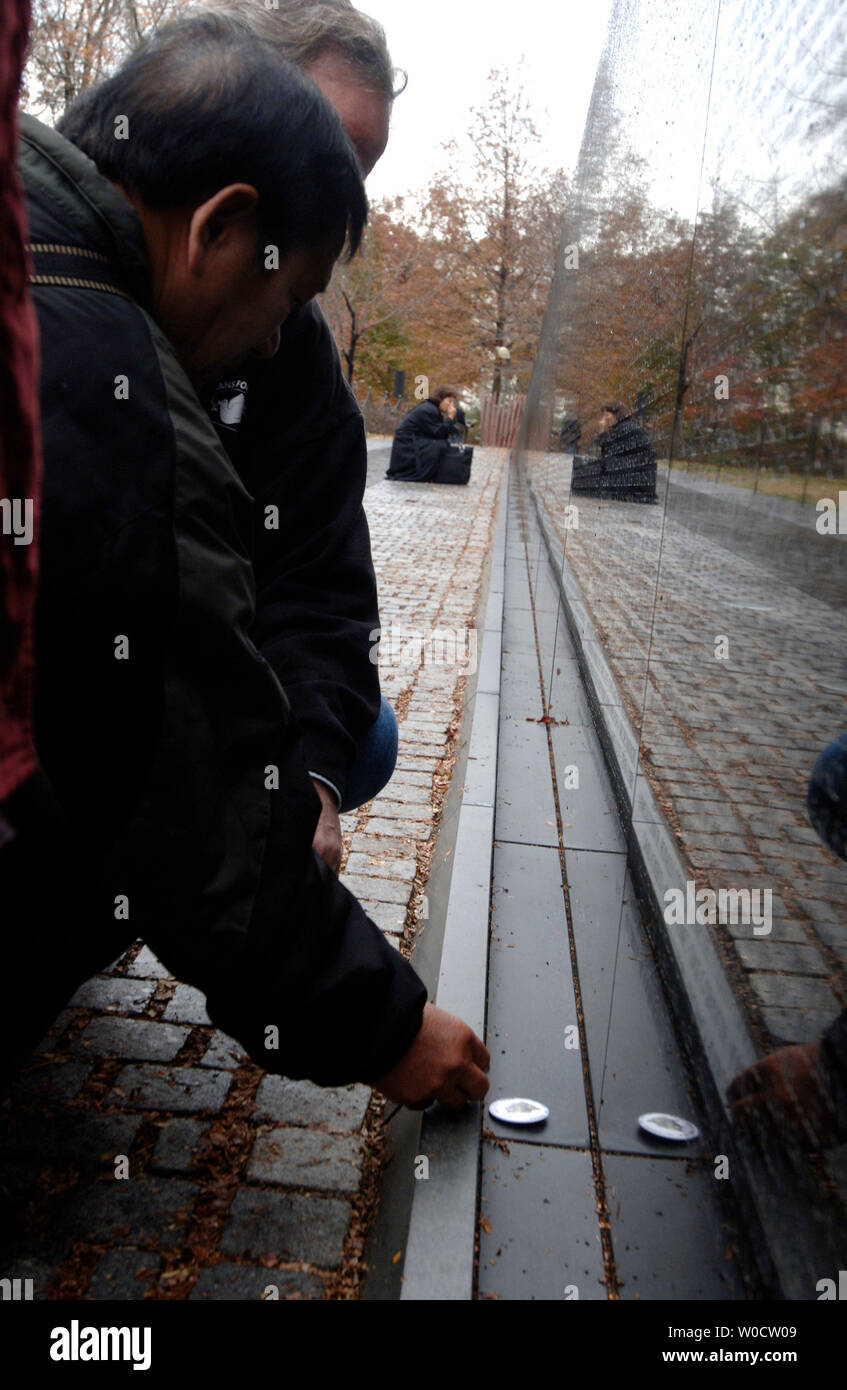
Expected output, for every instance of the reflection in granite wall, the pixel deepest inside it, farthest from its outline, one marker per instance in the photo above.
(701, 287)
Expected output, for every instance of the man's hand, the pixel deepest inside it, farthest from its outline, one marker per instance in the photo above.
(446, 1062)
(327, 839)
(786, 1091)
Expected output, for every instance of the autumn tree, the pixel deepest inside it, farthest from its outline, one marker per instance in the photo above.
(74, 43)
(498, 230)
(373, 299)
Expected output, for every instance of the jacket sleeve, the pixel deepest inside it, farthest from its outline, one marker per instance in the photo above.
(437, 428)
(317, 991)
(303, 454)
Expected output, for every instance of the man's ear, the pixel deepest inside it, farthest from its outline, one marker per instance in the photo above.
(226, 223)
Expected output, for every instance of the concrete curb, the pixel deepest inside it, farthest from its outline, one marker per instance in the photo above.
(439, 1262)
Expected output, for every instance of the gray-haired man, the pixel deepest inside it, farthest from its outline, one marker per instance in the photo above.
(296, 435)
(295, 432)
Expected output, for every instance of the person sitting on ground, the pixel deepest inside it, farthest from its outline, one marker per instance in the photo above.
(161, 262)
(423, 439)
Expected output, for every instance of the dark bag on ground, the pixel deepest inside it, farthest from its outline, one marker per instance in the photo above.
(455, 465)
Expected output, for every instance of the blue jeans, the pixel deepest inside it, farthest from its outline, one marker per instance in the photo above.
(375, 760)
(827, 796)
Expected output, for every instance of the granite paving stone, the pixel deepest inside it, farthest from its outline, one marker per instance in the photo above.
(307, 1158)
(188, 1005)
(791, 957)
(179, 1089)
(388, 846)
(223, 1053)
(60, 1081)
(290, 1226)
(254, 1282)
(382, 825)
(793, 991)
(148, 1210)
(389, 917)
(130, 1037)
(657, 1201)
(304, 1103)
(539, 1236)
(177, 1144)
(381, 866)
(397, 810)
(124, 1274)
(374, 889)
(146, 966)
(115, 994)
(410, 795)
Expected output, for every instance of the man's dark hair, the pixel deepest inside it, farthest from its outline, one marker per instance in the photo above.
(206, 103)
(618, 410)
(442, 393)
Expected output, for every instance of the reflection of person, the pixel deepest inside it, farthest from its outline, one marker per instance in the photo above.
(623, 440)
(570, 435)
(175, 759)
(422, 440)
(803, 1089)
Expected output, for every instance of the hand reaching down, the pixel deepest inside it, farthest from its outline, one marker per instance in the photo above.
(447, 1062)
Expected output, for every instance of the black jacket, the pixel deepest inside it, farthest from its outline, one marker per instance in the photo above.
(294, 431)
(163, 730)
(420, 443)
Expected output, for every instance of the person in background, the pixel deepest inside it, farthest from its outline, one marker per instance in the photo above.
(422, 440)
(570, 434)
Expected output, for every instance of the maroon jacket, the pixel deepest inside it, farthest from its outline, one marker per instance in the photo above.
(20, 464)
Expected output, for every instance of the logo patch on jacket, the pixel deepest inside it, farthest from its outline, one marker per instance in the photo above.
(228, 403)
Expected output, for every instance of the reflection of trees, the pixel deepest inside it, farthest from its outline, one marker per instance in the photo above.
(665, 310)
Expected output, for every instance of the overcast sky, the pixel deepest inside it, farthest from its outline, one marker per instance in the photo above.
(448, 61)
(779, 70)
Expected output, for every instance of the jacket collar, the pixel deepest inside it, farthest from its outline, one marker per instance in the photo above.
(98, 214)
